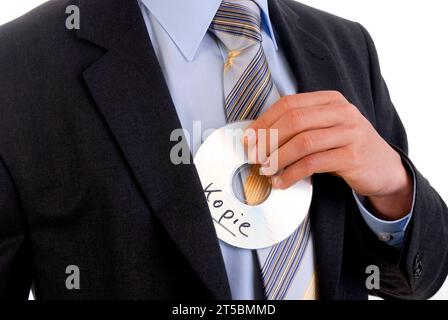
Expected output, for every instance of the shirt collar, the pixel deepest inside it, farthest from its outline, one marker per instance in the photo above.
(187, 21)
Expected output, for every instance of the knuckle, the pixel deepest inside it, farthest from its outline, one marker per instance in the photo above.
(296, 117)
(287, 103)
(345, 107)
(309, 164)
(352, 110)
(306, 142)
(335, 95)
(349, 111)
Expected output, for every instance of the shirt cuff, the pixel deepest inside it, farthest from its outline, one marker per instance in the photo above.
(389, 232)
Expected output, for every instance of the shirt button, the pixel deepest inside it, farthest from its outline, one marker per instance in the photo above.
(384, 237)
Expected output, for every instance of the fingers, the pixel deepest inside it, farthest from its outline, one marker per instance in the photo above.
(297, 122)
(310, 129)
(288, 103)
(305, 144)
(330, 161)
(305, 119)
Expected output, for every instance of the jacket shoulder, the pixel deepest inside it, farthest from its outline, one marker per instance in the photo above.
(38, 38)
(41, 63)
(46, 21)
(331, 29)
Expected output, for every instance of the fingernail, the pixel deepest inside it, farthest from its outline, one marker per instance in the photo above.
(266, 163)
(276, 182)
(264, 171)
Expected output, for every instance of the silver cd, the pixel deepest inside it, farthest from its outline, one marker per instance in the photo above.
(239, 224)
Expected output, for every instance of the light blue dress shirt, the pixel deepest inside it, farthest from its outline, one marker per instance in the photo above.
(192, 63)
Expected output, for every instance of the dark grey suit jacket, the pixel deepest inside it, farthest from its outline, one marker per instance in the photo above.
(86, 180)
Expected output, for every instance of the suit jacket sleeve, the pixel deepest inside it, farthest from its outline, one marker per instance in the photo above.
(15, 264)
(418, 270)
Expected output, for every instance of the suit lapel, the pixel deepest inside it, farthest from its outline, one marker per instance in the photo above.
(315, 69)
(127, 85)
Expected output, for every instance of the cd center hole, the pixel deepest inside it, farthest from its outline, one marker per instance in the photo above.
(249, 186)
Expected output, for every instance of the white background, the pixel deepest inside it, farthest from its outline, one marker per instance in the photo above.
(411, 38)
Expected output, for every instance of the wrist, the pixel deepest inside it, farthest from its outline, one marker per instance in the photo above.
(397, 202)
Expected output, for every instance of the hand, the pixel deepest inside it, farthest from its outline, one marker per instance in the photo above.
(321, 132)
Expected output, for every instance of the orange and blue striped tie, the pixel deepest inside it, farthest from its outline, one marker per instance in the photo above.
(248, 89)
(248, 85)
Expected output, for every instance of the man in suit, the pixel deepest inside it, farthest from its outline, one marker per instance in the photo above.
(86, 178)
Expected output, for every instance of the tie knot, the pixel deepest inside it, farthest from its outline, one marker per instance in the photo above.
(237, 24)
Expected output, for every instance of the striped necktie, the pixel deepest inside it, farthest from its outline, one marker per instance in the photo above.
(248, 89)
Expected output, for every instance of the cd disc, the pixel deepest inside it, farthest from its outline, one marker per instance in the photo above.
(226, 178)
